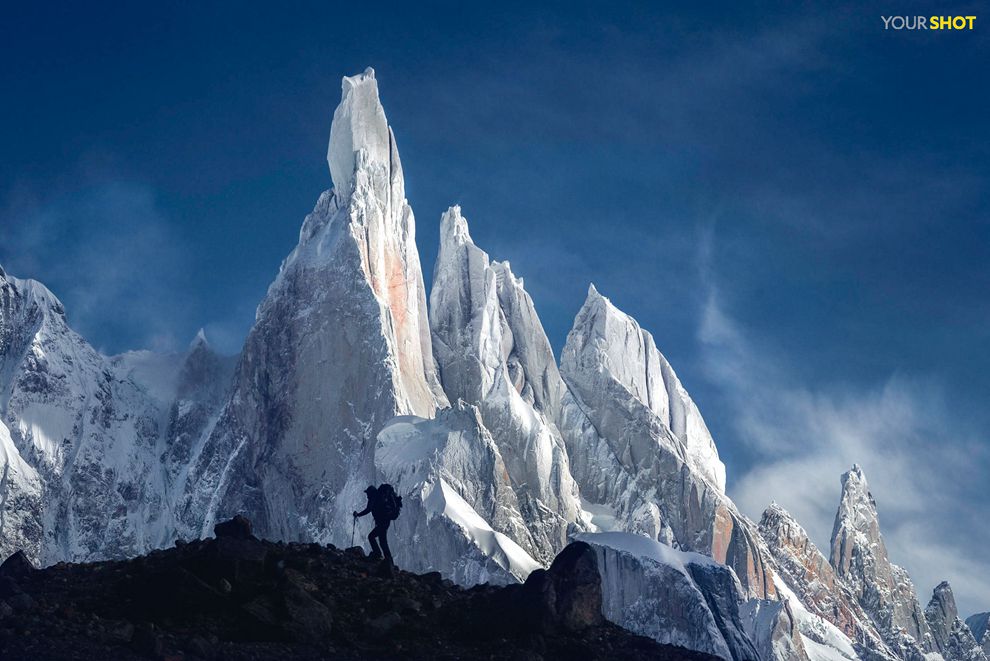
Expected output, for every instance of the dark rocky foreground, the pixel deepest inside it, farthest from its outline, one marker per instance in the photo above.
(236, 597)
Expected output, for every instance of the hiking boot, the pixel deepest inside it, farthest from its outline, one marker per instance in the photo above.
(375, 555)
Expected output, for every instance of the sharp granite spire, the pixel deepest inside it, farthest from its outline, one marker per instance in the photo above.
(341, 344)
(859, 557)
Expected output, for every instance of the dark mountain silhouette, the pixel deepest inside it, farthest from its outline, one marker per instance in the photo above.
(237, 597)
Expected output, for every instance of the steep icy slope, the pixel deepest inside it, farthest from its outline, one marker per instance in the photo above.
(639, 449)
(492, 352)
(339, 347)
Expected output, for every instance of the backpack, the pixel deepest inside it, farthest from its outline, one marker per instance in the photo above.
(391, 502)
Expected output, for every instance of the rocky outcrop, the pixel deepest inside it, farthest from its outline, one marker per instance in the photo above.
(568, 595)
(953, 639)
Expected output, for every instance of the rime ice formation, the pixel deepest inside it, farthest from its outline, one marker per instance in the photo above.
(493, 353)
(359, 125)
(500, 455)
(953, 639)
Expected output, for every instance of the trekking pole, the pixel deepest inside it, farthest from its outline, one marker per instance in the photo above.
(353, 528)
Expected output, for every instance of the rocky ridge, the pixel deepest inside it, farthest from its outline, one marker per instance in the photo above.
(235, 596)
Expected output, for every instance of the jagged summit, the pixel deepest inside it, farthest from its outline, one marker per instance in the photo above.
(953, 638)
(604, 335)
(944, 600)
(883, 589)
(359, 125)
(493, 353)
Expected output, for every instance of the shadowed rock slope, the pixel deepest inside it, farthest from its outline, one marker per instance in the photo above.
(236, 597)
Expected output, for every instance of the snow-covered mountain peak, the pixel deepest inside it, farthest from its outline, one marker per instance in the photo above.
(359, 124)
(604, 338)
(859, 557)
(32, 291)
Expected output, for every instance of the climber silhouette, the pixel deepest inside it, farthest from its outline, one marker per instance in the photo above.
(384, 506)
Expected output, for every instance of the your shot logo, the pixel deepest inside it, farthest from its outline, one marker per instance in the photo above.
(928, 22)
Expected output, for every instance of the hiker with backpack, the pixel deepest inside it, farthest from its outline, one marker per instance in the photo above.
(384, 505)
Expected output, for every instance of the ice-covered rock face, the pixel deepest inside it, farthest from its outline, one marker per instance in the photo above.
(493, 353)
(674, 597)
(202, 387)
(953, 639)
(606, 342)
(884, 590)
(341, 344)
(634, 472)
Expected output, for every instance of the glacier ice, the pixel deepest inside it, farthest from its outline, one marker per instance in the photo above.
(457, 498)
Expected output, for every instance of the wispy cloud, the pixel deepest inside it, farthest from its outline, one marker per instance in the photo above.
(108, 252)
(924, 465)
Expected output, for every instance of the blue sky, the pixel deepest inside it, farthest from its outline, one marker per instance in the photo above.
(794, 201)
